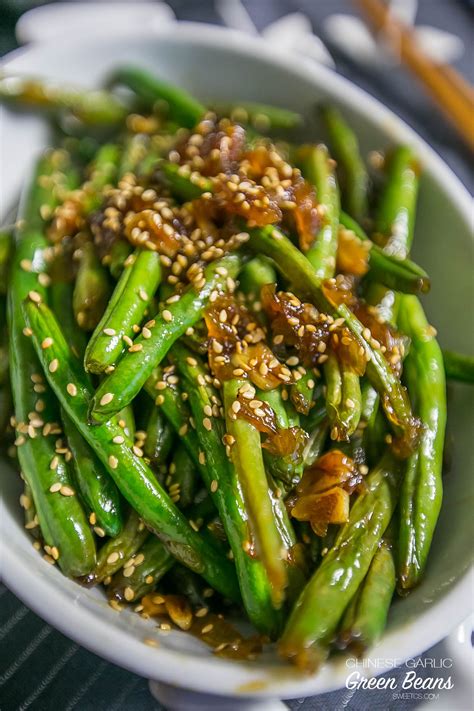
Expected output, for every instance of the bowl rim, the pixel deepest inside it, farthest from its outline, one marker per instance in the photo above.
(231, 678)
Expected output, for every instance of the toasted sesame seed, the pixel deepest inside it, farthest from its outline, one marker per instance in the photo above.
(107, 398)
(46, 343)
(207, 628)
(191, 361)
(27, 331)
(202, 458)
(113, 462)
(183, 429)
(67, 491)
(214, 485)
(92, 519)
(53, 366)
(44, 279)
(167, 315)
(118, 439)
(364, 469)
(110, 331)
(127, 340)
(146, 333)
(143, 295)
(151, 642)
(149, 579)
(113, 557)
(207, 424)
(55, 487)
(128, 594)
(128, 571)
(135, 348)
(34, 296)
(26, 265)
(72, 389)
(99, 531)
(54, 463)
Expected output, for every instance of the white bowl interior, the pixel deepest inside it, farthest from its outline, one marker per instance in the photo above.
(223, 65)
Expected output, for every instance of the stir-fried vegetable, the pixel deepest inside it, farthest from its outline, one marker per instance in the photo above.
(209, 347)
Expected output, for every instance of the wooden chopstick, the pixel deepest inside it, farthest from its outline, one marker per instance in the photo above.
(453, 94)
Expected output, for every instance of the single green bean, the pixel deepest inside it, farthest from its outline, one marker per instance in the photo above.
(91, 290)
(458, 366)
(354, 175)
(317, 168)
(149, 565)
(246, 454)
(150, 90)
(343, 399)
(422, 489)
(159, 437)
(125, 309)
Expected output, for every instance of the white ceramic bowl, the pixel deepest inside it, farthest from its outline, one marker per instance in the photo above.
(226, 65)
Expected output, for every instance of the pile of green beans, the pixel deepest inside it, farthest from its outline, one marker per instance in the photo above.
(168, 421)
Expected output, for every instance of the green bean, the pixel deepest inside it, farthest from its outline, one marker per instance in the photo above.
(182, 475)
(60, 296)
(151, 563)
(97, 489)
(395, 215)
(125, 309)
(387, 269)
(133, 477)
(458, 366)
(93, 108)
(6, 248)
(345, 147)
(287, 469)
(220, 478)
(150, 90)
(317, 168)
(299, 271)
(314, 619)
(63, 524)
(184, 582)
(256, 273)
(119, 252)
(343, 399)
(91, 290)
(118, 550)
(135, 367)
(422, 488)
(365, 619)
(159, 437)
(246, 454)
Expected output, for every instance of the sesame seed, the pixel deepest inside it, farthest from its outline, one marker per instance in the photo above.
(150, 642)
(135, 348)
(146, 333)
(26, 265)
(364, 469)
(72, 389)
(105, 399)
(27, 331)
(202, 612)
(118, 439)
(67, 491)
(127, 340)
(191, 361)
(207, 424)
(44, 279)
(55, 487)
(207, 628)
(167, 315)
(113, 557)
(34, 296)
(128, 594)
(149, 579)
(183, 429)
(92, 519)
(137, 451)
(99, 531)
(143, 295)
(113, 462)
(53, 366)
(47, 343)
(54, 463)
(202, 458)
(236, 406)
(110, 331)
(214, 486)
